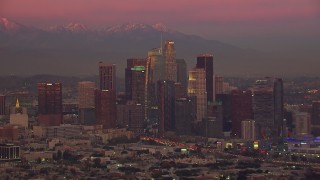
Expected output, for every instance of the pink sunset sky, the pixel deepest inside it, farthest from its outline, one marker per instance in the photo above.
(215, 19)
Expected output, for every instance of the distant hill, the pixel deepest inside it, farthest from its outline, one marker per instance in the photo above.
(76, 49)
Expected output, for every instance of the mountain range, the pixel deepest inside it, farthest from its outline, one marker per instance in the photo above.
(76, 49)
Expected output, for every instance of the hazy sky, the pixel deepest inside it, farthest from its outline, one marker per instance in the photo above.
(241, 22)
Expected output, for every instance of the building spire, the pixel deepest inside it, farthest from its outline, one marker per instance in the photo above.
(17, 103)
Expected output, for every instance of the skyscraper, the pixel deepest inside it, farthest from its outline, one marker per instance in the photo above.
(155, 71)
(156, 68)
(315, 113)
(241, 109)
(86, 102)
(184, 115)
(166, 101)
(205, 61)
(106, 110)
(197, 88)
(180, 91)
(248, 129)
(219, 85)
(268, 108)
(107, 75)
(86, 94)
(105, 98)
(182, 72)
(50, 104)
(138, 84)
(2, 105)
(170, 60)
(225, 101)
(128, 75)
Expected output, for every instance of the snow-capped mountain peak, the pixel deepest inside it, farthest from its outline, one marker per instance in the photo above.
(76, 27)
(7, 25)
(129, 27)
(71, 27)
(161, 27)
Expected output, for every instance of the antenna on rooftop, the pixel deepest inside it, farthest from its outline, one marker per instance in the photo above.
(161, 42)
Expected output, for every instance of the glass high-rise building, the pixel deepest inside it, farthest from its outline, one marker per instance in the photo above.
(107, 75)
(2, 105)
(182, 76)
(170, 60)
(268, 108)
(205, 61)
(197, 88)
(166, 101)
(50, 104)
(241, 109)
(131, 63)
(86, 102)
(155, 71)
(105, 98)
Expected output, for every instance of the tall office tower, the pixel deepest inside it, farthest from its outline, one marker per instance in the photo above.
(185, 113)
(86, 102)
(225, 101)
(155, 66)
(105, 98)
(107, 75)
(50, 104)
(248, 129)
(180, 91)
(138, 77)
(197, 88)
(106, 110)
(128, 75)
(205, 61)
(241, 109)
(155, 71)
(182, 72)
(86, 94)
(268, 108)
(2, 105)
(170, 58)
(165, 94)
(135, 114)
(212, 126)
(219, 85)
(278, 106)
(315, 118)
(131, 116)
(315, 113)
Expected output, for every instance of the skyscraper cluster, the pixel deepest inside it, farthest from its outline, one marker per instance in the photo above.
(160, 96)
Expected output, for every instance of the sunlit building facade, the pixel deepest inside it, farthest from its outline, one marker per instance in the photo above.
(86, 102)
(170, 61)
(197, 88)
(155, 71)
(248, 129)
